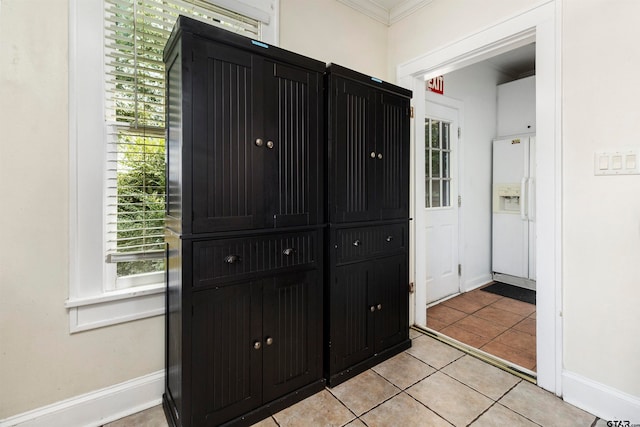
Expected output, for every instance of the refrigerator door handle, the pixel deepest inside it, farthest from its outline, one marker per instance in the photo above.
(531, 200)
(523, 212)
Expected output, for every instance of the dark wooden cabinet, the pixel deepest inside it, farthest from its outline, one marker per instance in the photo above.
(368, 166)
(244, 227)
(367, 294)
(276, 316)
(255, 140)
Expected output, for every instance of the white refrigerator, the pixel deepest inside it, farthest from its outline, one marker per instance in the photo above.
(513, 218)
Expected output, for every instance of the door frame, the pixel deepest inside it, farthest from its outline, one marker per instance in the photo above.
(541, 24)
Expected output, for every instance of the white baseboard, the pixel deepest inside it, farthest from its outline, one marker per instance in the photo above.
(97, 407)
(476, 282)
(603, 401)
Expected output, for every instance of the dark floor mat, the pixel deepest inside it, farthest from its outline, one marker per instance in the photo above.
(513, 292)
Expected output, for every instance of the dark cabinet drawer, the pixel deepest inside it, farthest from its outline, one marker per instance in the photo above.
(353, 244)
(220, 260)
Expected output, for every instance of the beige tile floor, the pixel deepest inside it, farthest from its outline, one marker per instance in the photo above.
(430, 384)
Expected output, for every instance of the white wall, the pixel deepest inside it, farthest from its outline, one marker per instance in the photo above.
(476, 87)
(601, 213)
(40, 362)
(332, 32)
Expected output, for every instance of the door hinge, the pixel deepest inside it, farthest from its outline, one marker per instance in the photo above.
(459, 132)
(411, 112)
(412, 287)
(459, 200)
(459, 269)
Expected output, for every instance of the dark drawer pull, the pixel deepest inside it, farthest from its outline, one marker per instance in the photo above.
(356, 242)
(232, 259)
(389, 238)
(289, 251)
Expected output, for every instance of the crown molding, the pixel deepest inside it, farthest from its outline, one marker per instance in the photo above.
(369, 8)
(381, 14)
(405, 9)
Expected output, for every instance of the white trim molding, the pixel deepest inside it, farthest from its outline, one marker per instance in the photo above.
(94, 300)
(97, 407)
(387, 16)
(540, 24)
(603, 401)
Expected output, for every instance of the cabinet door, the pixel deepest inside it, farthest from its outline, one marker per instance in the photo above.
(227, 368)
(292, 332)
(391, 301)
(352, 339)
(293, 147)
(392, 162)
(225, 126)
(352, 146)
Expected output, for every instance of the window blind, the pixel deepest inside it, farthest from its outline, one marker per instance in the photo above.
(135, 35)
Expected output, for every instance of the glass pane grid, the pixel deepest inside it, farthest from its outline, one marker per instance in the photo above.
(437, 163)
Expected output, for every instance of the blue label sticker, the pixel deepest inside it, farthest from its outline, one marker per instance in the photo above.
(376, 80)
(257, 43)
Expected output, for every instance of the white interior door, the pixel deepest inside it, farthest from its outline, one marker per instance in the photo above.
(437, 205)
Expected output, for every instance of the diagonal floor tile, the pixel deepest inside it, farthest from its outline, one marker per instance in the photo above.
(462, 335)
(482, 377)
(444, 314)
(526, 359)
(403, 370)
(515, 306)
(453, 401)
(152, 417)
(544, 408)
(267, 422)
(402, 410)
(498, 316)
(464, 304)
(498, 415)
(480, 326)
(321, 409)
(364, 392)
(433, 352)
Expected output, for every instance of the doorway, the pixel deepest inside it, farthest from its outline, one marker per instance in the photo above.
(538, 25)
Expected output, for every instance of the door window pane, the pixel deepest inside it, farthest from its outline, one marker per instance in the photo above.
(437, 163)
(435, 193)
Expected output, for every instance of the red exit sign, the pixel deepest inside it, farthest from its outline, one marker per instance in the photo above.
(436, 85)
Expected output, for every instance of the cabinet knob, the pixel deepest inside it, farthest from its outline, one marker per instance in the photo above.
(257, 345)
(379, 306)
(269, 341)
(356, 242)
(380, 156)
(270, 144)
(372, 308)
(259, 142)
(389, 238)
(373, 154)
(232, 259)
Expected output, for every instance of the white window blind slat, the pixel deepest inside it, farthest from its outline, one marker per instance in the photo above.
(135, 35)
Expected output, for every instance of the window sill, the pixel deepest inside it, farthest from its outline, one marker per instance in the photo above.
(111, 308)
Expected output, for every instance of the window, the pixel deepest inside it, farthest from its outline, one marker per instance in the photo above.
(438, 163)
(116, 81)
(135, 35)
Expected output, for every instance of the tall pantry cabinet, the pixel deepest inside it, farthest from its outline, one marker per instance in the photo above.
(244, 228)
(367, 285)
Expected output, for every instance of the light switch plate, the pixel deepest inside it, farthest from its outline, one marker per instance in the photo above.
(618, 162)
